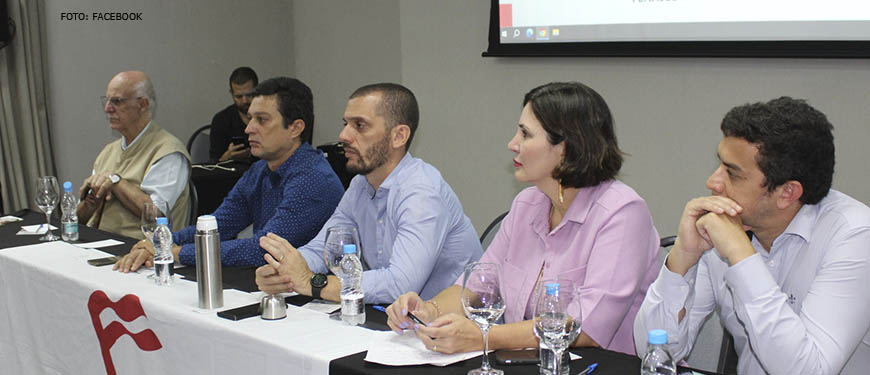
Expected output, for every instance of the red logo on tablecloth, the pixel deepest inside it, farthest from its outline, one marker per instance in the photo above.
(128, 308)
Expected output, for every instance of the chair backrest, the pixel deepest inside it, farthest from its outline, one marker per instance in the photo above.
(334, 154)
(193, 205)
(198, 145)
(668, 241)
(491, 230)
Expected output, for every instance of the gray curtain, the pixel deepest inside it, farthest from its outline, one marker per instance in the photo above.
(25, 141)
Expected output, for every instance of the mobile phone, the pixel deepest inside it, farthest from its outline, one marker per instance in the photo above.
(240, 313)
(238, 139)
(517, 357)
(99, 262)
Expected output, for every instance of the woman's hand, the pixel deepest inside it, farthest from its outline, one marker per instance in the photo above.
(451, 333)
(397, 313)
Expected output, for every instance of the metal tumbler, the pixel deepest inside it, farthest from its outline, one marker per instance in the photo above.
(209, 282)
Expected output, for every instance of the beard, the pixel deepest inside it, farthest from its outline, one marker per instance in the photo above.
(375, 157)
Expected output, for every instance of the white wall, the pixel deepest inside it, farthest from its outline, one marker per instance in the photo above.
(189, 48)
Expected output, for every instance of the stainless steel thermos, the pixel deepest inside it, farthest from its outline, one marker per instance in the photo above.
(209, 282)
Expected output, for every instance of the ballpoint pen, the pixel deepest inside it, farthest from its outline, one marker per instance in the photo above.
(589, 369)
(410, 315)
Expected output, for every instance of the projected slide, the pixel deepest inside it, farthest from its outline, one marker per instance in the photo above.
(549, 21)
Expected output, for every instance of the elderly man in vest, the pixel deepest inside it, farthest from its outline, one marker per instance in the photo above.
(146, 164)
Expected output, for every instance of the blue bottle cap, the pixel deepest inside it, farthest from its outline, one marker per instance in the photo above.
(552, 289)
(162, 221)
(349, 249)
(67, 187)
(658, 336)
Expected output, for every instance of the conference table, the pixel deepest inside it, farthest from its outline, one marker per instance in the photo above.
(60, 315)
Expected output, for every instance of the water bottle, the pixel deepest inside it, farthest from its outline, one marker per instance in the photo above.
(545, 354)
(69, 222)
(209, 280)
(163, 259)
(352, 308)
(658, 361)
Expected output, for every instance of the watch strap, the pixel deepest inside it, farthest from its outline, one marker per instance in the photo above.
(316, 288)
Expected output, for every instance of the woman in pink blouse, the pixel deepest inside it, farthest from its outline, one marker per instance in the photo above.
(576, 222)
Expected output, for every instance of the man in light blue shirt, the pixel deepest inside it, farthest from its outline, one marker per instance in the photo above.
(795, 292)
(414, 235)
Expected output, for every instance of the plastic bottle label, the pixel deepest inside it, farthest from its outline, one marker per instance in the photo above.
(70, 227)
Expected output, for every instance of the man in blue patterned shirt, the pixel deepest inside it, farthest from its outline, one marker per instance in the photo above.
(290, 192)
(414, 235)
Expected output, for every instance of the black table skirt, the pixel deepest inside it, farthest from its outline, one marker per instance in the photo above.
(609, 362)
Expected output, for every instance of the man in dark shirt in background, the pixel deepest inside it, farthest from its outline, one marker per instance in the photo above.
(227, 134)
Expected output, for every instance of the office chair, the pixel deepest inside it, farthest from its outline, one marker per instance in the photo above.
(198, 145)
(491, 230)
(334, 154)
(193, 204)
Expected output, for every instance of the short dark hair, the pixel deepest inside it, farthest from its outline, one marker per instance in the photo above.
(398, 105)
(574, 113)
(295, 101)
(242, 75)
(795, 142)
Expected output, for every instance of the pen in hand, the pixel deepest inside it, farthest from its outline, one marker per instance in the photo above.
(410, 315)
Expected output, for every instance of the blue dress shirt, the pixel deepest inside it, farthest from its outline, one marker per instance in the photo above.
(292, 202)
(414, 235)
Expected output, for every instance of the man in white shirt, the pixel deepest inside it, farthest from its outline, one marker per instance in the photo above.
(146, 164)
(789, 274)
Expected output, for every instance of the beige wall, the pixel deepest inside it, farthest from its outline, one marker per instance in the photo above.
(189, 48)
(340, 46)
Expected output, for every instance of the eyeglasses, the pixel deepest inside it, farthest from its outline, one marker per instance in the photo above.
(115, 101)
(249, 95)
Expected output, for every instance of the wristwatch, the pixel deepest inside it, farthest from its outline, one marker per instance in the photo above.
(318, 282)
(115, 178)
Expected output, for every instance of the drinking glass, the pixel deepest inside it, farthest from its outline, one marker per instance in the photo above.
(557, 317)
(483, 304)
(333, 247)
(151, 210)
(47, 196)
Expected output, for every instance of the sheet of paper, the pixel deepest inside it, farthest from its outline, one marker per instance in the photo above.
(34, 229)
(98, 244)
(388, 348)
(326, 307)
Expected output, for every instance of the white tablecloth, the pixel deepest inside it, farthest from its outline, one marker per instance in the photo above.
(46, 327)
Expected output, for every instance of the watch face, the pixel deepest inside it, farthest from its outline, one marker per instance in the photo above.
(318, 280)
(114, 178)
